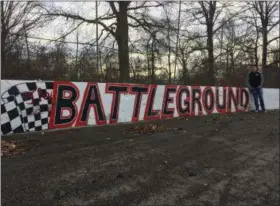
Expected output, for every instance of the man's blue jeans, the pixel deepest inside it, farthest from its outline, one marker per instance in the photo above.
(258, 94)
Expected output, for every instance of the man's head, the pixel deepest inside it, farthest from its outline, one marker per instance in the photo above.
(255, 69)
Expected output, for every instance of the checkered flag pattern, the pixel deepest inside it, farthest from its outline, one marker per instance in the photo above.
(25, 107)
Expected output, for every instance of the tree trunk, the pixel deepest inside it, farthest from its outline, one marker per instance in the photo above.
(222, 38)
(256, 55)
(169, 69)
(232, 62)
(122, 41)
(77, 54)
(210, 49)
(264, 49)
(3, 51)
(169, 55)
(148, 64)
(227, 60)
(185, 71)
(256, 51)
(28, 68)
(100, 75)
(153, 76)
(3, 36)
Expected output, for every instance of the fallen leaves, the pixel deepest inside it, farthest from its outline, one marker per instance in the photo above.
(10, 148)
(146, 129)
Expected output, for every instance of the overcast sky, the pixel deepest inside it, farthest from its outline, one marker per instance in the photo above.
(87, 32)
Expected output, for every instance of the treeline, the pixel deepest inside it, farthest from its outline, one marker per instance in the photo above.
(205, 43)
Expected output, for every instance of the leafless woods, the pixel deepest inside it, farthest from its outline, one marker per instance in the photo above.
(206, 43)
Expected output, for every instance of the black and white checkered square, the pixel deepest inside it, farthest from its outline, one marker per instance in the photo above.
(19, 113)
(11, 121)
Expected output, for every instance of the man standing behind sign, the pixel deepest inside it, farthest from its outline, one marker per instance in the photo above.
(255, 82)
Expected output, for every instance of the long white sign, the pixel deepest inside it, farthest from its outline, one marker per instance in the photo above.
(34, 106)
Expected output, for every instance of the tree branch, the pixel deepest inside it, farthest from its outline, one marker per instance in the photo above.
(142, 6)
(204, 10)
(113, 7)
(273, 25)
(273, 40)
(93, 21)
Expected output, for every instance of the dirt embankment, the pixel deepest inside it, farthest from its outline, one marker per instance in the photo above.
(210, 160)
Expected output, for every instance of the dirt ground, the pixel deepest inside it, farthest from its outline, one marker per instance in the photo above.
(209, 160)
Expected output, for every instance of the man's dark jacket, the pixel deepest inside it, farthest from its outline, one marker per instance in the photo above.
(255, 80)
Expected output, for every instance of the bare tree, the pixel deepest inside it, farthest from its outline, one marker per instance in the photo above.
(238, 49)
(168, 43)
(87, 66)
(17, 19)
(139, 68)
(188, 59)
(125, 15)
(265, 11)
(208, 14)
(153, 54)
